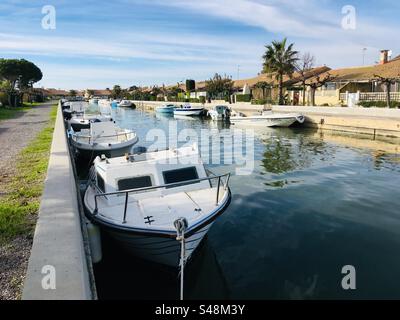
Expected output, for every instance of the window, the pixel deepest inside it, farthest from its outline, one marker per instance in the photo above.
(134, 183)
(100, 183)
(180, 175)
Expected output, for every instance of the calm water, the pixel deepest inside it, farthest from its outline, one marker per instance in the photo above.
(314, 203)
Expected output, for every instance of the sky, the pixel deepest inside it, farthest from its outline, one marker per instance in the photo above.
(97, 44)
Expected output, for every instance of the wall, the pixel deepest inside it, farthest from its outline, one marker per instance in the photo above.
(58, 240)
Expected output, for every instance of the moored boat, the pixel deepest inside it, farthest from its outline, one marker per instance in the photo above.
(167, 108)
(125, 104)
(220, 113)
(143, 200)
(269, 119)
(82, 121)
(188, 110)
(103, 138)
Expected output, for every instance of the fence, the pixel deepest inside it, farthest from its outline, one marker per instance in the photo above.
(373, 96)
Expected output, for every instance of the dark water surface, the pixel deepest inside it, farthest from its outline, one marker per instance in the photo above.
(314, 203)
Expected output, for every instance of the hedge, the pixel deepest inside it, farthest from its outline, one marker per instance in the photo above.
(243, 97)
(379, 104)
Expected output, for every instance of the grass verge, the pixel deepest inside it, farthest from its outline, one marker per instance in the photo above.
(9, 113)
(19, 208)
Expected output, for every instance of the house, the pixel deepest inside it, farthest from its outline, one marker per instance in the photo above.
(265, 86)
(352, 85)
(102, 94)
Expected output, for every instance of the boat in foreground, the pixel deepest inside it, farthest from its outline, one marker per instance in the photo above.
(269, 119)
(103, 138)
(140, 200)
(168, 108)
(83, 121)
(188, 110)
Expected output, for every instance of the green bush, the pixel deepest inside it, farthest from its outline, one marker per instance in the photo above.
(3, 99)
(261, 101)
(194, 100)
(202, 99)
(243, 98)
(379, 104)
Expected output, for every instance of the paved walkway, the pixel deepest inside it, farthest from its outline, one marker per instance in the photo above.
(15, 135)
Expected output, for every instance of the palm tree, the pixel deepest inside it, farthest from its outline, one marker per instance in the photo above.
(280, 60)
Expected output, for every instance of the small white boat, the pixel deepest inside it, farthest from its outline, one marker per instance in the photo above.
(103, 138)
(141, 199)
(82, 121)
(125, 104)
(188, 110)
(220, 113)
(269, 119)
(168, 108)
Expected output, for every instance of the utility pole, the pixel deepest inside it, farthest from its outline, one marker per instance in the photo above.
(364, 51)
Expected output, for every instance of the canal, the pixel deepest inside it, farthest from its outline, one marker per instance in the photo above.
(313, 203)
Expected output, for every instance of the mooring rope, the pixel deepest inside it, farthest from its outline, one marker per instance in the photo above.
(181, 225)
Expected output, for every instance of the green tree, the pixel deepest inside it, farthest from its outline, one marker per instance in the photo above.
(116, 92)
(17, 77)
(73, 93)
(280, 60)
(219, 86)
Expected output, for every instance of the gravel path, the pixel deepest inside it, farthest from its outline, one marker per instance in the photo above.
(15, 135)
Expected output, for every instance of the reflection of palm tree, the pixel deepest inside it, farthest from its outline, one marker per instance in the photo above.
(278, 158)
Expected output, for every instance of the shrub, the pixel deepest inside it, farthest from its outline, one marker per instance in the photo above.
(202, 99)
(262, 101)
(378, 104)
(194, 100)
(243, 98)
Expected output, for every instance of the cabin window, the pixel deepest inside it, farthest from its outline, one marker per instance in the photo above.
(100, 183)
(180, 175)
(134, 183)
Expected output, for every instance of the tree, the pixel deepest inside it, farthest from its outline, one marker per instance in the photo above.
(280, 60)
(387, 82)
(17, 77)
(219, 86)
(90, 93)
(318, 82)
(303, 66)
(73, 93)
(116, 92)
(190, 85)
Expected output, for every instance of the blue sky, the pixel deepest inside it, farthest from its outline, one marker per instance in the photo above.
(97, 44)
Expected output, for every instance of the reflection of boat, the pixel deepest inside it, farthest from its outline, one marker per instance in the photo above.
(269, 119)
(103, 138)
(143, 200)
(168, 108)
(220, 113)
(188, 110)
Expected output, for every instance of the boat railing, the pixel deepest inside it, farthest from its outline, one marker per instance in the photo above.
(221, 180)
(77, 136)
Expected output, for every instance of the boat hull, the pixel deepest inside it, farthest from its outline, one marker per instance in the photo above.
(86, 151)
(165, 110)
(158, 250)
(262, 121)
(188, 112)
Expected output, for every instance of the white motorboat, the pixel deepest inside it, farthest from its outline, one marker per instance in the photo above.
(269, 119)
(103, 138)
(167, 108)
(188, 110)
(141, 200)
(220, 113)
(125, 104)
(83, 121)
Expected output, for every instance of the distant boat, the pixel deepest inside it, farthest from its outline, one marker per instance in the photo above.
(125, 104)
(103, 138)
(144, 200)
(167, 108)
(268, 119)
(220, 113)
(188, 110)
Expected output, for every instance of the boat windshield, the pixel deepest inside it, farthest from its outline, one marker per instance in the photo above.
(180, 175)
(134, 183)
